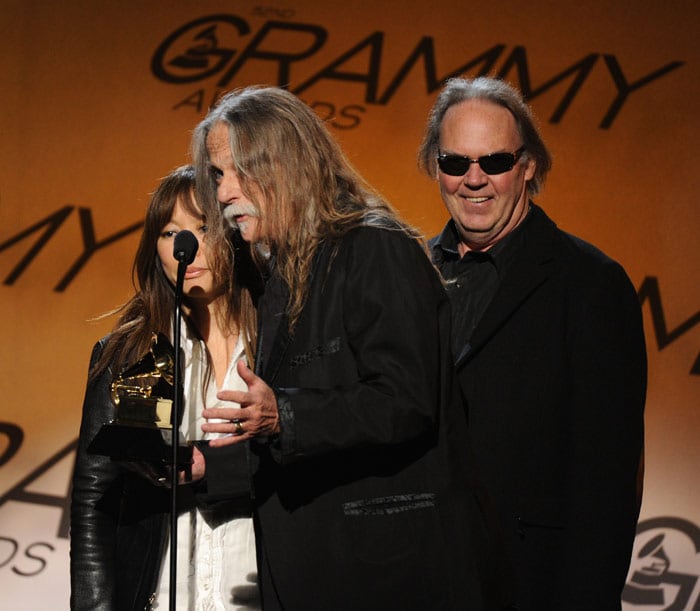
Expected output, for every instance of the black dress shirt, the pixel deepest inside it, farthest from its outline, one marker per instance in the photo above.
(472, 280)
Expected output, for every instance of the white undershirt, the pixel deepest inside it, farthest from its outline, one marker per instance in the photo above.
(216, 568)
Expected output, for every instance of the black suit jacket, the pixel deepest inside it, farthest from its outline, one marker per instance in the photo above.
(366, 499)
(554, 379)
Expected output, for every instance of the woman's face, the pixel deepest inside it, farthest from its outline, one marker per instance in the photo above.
(199, 280)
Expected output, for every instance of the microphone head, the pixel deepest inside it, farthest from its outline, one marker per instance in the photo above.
(185, 247)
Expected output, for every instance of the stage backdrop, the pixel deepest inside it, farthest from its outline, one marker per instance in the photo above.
(98, 102)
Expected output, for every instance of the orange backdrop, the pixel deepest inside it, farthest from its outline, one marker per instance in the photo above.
(98, 102)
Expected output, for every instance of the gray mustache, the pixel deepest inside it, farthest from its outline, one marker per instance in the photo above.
(232, 210)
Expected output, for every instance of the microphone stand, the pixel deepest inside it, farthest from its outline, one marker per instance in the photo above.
(184, 251)
(175, 428)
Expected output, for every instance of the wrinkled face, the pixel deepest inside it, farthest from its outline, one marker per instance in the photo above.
(238, 210)
(199, 280)
(485, 208)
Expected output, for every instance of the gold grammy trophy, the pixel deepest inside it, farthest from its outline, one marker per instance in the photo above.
(143, 398)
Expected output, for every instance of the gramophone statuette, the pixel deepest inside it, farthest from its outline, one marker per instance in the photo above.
(143, 397)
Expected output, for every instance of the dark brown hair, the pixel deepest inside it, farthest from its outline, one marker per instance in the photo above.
(151, 308)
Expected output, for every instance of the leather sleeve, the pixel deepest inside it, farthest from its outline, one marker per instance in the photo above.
(94, 521)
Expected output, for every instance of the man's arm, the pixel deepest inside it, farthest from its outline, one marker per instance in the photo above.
(609, 371)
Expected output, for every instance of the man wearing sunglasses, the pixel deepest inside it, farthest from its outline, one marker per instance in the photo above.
(549, 348)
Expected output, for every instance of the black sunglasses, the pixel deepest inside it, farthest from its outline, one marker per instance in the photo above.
(496, 163)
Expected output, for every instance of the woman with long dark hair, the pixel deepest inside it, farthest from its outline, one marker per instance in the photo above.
(119, 517)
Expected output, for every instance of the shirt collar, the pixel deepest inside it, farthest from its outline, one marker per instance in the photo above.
(445, 246)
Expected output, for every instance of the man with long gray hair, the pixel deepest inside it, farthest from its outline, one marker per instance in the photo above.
(364, 493)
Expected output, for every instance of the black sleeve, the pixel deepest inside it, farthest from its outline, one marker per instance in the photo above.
(227, 476)
(390, 321)
(93, 529)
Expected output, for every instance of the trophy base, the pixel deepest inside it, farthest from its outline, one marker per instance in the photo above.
(139, 442)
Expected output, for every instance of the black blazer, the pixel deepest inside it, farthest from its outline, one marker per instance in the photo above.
(554, 379)
(366, 499)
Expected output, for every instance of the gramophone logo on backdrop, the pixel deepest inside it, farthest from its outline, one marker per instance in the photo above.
(665, 570)
(211, 46)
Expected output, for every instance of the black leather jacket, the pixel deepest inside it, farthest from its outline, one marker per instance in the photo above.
(119, 521)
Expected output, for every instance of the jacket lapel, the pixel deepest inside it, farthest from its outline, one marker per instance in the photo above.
(283, 339)
(279, 350)
(524, 277)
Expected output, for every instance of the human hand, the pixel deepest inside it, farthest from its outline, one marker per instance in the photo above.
(198, 468)
(257, 415)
